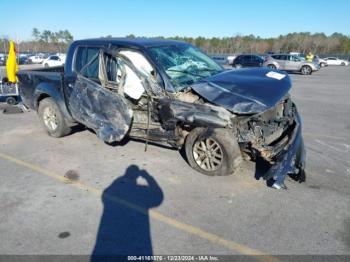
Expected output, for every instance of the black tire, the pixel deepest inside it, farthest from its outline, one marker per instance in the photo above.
(60, 128)
(342, 63)
(271, 66)
(229, 148)
(46, 65)
(322, 64)
(306, 70)
(11, 100)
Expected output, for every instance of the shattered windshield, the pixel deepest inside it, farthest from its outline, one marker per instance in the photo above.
(184, 64)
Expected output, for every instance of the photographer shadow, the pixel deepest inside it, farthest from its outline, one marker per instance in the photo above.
(125, 227)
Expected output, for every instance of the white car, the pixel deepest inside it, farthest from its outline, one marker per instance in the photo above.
(36, 59)
(336, 61)
(54, 60)
(322, 62)
(230, 59)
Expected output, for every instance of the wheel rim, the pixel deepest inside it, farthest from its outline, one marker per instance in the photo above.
(306, 70)
(208, 154)
(11, 101)
(50, 118)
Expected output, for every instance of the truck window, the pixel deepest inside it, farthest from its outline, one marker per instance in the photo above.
(84, 56)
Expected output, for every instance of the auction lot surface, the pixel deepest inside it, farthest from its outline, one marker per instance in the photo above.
(52, 200)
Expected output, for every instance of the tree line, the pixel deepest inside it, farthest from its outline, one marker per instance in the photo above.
(303, 42)
(318, 43)
(42, 41)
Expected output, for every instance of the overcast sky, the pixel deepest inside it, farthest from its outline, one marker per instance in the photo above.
(88, 18)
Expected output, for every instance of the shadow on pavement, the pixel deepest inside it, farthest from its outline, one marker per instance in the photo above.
(125, 227)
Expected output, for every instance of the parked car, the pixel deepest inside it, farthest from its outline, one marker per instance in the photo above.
(54, 60)
(290, 63)
(170, 92)
(221, 60)
(22, 59)
(3, 59)
(247, 61)
(230, 59)
(336, 61)
(320, 61)
(36, 59)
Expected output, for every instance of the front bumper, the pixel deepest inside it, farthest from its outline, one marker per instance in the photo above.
(290, 160)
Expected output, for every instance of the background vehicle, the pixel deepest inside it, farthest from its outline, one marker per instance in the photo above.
(221, 60)
(36, 59)
(336, 61)
(247, 61)
(22, 59)
(290, 63)
(230, 59)
(54, 60)
(320, 61)
(3, 60)
(171, 92)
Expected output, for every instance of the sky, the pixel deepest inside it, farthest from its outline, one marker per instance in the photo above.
(208, 18)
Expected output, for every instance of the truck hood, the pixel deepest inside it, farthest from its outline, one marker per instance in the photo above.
(245, 91)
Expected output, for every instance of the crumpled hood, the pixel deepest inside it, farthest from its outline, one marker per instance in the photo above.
(245, 91)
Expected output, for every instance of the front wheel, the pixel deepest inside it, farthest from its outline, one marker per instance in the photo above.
(306, 70)
(52, 119)
(213, 152)
(271, 66)
(343, 64)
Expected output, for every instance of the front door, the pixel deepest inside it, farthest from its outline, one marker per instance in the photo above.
(100, 109)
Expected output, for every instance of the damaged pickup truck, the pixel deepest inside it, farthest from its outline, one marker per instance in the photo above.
(171, 92)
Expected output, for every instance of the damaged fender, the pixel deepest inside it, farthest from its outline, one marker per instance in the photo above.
(290, 161)
(196, 115)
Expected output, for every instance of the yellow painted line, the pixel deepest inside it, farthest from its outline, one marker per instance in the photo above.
(240, 248)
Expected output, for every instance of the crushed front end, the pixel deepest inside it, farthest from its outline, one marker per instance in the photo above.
(275, 136)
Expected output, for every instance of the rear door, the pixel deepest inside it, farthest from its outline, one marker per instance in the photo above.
(106, 112)
(249, 61)
(257, 61)
(281, 60)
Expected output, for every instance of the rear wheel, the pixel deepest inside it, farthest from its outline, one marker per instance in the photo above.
(213, 152)
(342, 63)
(322, 64)
(271, 66)
(46, 65)
(11, 100)
(52, 119)
(306, 70)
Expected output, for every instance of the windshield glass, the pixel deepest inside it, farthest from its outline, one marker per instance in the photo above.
(184, 64)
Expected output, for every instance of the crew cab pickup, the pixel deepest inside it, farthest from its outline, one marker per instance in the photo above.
(170, 92)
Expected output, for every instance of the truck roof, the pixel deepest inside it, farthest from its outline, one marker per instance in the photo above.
(139, 42)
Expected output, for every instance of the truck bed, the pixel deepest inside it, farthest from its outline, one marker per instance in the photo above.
(41, 80)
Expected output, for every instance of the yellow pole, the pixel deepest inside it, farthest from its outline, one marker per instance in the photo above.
(11, 64)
